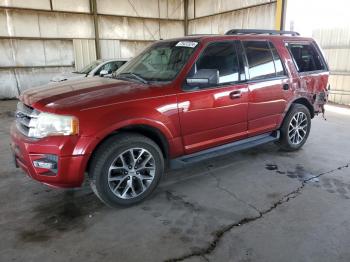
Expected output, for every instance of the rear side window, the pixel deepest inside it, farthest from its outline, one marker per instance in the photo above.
(306, 57)
(223, 57)
(260, 60)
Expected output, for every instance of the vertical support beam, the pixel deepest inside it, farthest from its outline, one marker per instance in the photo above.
(194, 8)
(93, 10)
(159, 31)
(279, 17)
(186, 17)
(284, 13)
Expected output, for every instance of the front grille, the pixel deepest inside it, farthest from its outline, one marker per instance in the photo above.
(24, 118)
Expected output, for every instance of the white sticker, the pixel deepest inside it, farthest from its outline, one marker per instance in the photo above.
(187, 44)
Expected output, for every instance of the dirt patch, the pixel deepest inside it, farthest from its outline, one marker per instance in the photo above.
(54, 218)
(271, 167)
(331, 185)
(299, 172)
(7, 114)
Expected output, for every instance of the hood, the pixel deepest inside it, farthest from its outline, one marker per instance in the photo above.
(84, 94)
(67, 76)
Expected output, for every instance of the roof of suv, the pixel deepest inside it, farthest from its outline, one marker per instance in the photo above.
(217, 37)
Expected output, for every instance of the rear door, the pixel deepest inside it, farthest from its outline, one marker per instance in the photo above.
(215, 114)
(269, 86)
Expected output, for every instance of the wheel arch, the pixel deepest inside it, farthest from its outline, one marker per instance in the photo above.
(306, 103)
(301, 101)
(149, 131)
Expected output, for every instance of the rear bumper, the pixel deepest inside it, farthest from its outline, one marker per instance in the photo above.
(320, 100)
(70, 165)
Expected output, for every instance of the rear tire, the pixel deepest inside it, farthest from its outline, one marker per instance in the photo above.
(126, 169)
(295, 128)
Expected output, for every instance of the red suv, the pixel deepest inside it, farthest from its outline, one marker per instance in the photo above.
(180, 101)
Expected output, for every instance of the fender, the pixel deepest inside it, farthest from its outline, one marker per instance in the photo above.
(100, 136)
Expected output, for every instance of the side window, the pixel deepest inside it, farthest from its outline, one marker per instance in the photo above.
(260, 60)
(110, 67)
(223, 57)
(277, 60)
(107, 67)
(306, 57)
(116, 65)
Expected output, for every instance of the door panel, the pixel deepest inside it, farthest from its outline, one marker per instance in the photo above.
(269, 87)
(215, 113)
(267, 102)
(212, 117)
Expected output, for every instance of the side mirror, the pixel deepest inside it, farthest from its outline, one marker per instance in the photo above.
(203, 77)
(104, 72)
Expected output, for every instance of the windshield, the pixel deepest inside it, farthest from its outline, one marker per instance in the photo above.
(87, 69)
(160, 62)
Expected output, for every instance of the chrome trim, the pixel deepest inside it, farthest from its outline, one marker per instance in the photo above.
(25, 116)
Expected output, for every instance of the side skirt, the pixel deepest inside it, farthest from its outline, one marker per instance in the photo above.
(246, 143)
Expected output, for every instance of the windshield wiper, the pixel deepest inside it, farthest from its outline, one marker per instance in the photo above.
(132, 75)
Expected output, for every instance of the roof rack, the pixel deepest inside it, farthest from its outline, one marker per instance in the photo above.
(259, 32)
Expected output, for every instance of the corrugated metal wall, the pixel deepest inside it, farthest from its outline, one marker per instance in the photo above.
(40, 38)
(335, 43)
(218, 16)
(84, 52)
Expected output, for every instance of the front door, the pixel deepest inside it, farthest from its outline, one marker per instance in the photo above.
(215, 114)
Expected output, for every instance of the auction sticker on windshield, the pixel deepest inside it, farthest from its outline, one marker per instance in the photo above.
(187, 44)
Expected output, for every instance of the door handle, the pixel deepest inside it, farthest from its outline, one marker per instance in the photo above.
(285, 86)
(235, 94)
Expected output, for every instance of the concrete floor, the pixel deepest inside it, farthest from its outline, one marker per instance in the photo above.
(257, 205)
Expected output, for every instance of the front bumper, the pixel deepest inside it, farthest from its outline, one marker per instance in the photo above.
(70, 164)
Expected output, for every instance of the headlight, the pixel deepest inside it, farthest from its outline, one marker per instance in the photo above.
(46, 124)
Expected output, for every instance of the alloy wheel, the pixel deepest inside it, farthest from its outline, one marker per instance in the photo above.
(131, 173)
(297, 129)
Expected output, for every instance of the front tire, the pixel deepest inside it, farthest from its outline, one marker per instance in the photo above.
(126, 169)
(295, 128)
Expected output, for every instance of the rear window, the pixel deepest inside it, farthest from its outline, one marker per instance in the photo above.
(263, 62)
(306, 57)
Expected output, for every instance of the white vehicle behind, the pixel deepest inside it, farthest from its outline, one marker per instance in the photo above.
(101, 67)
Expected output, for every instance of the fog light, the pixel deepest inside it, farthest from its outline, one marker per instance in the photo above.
(48, 162)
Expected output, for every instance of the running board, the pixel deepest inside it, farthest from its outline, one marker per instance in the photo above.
(224, 149)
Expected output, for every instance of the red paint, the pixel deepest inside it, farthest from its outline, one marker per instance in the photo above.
(189, 120)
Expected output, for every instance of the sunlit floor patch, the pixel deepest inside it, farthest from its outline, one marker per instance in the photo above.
(338, 109)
